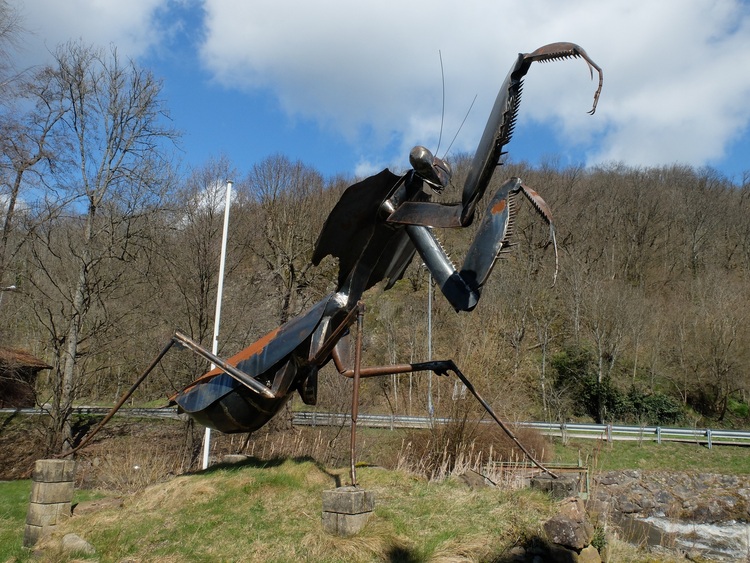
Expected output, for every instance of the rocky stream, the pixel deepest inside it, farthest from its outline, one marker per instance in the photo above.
(701, 513)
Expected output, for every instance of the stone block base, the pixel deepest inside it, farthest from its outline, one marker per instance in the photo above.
(560, 488)
(53, 481)
(346, 510)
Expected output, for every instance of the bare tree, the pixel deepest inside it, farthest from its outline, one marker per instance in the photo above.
(10, 32)
(605, 318)
(717, 357)
(22, 135)
(286, 192)
(29, 143)
(112, 176)
(187, 277)
(545, 314)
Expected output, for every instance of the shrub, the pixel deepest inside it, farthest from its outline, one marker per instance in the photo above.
(604, 401)
(653, 408)
(740, 409)
(466, 443)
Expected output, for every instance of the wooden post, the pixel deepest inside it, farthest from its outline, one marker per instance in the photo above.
(51, 495)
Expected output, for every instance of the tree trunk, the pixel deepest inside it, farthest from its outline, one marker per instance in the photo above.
(67, 385)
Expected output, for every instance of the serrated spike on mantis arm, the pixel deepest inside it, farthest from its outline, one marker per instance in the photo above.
(543, 209)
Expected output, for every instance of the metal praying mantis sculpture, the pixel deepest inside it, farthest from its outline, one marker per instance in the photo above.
(375, 230)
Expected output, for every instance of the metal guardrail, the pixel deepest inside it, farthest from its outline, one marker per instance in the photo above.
(607, 432)
(368, 420)
(611, 432)
(166, 412)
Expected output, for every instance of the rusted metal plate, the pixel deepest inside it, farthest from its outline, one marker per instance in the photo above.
(255, 360)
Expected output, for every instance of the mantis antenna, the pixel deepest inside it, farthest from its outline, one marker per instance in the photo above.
(460, 126)
(442, 113)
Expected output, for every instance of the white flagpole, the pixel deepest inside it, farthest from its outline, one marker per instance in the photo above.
(217, 317)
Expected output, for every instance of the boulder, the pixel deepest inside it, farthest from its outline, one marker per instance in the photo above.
(73, 543)
(570, 527)
(589, 555)
(473, 480)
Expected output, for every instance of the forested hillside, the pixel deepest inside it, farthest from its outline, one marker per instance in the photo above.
(108, 245)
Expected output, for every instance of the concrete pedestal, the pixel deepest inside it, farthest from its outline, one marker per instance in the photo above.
(563, 487)
(52, 486)
(346, 510)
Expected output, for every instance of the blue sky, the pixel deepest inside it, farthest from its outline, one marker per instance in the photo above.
(348, 87)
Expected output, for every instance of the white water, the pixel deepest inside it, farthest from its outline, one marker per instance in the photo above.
(729, 541)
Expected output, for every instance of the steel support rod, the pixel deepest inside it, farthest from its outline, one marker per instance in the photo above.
(502, 425)
(122, 400)
(219, 297)
(229, 369)
(355, 391)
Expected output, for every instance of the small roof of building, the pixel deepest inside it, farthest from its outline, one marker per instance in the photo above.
(12, 358)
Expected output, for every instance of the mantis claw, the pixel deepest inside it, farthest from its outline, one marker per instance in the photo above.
(564, 50)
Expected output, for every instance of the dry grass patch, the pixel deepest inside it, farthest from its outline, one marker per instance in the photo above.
(179, 492)
(467, 445)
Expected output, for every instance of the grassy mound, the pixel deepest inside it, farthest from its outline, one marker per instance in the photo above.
(271, 511)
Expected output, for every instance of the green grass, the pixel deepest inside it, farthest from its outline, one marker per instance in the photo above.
(14, 502)
(13, 506)
(272, 512)
(667, 456)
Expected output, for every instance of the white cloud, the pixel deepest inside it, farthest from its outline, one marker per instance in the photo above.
(131, 25)
(366, 168)
(675, 87)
